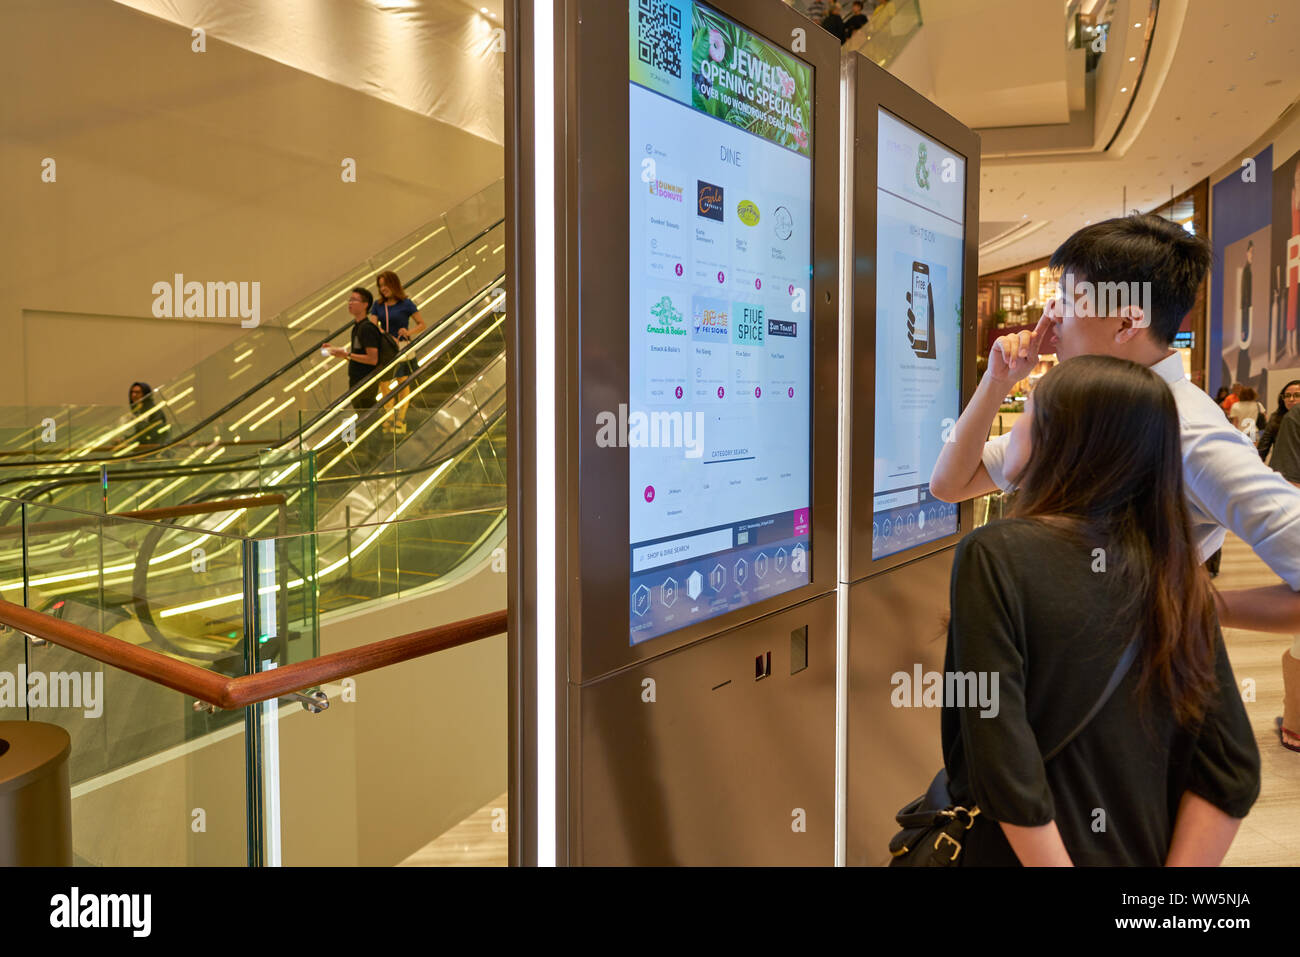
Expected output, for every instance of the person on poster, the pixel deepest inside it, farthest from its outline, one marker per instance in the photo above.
(1293, 271)
(1245, 295)
(1276, 332)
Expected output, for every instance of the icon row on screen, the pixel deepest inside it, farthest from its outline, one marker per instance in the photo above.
(739, 572)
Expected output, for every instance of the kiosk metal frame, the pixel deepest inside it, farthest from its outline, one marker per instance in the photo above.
(890, 607)
(569, 499)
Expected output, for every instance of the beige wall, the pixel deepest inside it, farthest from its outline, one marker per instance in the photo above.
(221, 165)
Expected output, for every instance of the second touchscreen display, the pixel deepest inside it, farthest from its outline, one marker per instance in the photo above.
(920, 232)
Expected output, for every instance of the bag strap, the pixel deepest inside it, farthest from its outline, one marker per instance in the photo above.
(1121, 669)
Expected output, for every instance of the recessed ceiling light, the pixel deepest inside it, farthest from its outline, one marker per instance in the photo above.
(1131, 59)
(1137, 24)
(1123, 89)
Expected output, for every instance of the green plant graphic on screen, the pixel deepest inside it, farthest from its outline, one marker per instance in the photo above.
(741, 80)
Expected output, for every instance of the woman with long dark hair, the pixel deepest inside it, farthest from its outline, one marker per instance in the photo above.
(149, 424)
(1098, 556)
(1287, 399)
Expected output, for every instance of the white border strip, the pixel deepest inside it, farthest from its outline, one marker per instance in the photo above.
(844, 466)
(544, 532)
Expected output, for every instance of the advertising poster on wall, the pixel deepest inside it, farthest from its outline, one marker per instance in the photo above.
(1253, 319)
(1282, 281)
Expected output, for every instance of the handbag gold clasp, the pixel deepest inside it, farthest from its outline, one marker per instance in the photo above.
(956, 845)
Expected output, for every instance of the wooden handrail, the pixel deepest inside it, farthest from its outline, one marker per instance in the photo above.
(148, 514)
(226, 692)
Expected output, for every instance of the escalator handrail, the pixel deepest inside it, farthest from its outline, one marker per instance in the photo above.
(13, 503)
(230, 693)
(230, 465)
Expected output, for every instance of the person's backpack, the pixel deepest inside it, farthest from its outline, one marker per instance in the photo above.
(388, 348)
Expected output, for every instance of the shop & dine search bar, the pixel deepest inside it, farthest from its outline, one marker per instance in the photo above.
(679, 549)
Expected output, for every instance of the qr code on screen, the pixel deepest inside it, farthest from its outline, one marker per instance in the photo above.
(658, 36)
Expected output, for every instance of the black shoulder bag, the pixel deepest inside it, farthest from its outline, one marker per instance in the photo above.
(934, 825)
(402, 369)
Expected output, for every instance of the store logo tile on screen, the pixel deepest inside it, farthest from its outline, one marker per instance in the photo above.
(665, 318)
(783, 327)
(782, 223)
(710, 319)
(709, 200)
(748, 327)
(747, 212)
(666, 190)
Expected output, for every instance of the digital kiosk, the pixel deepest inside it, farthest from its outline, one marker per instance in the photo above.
(696, 365)
(912, 213)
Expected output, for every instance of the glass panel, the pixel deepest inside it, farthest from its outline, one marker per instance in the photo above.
(450, 766)
(154, 780)
(890, 27)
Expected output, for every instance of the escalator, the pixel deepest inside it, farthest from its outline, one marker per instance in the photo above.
(255, 391)
(367, 516)
(362, 512)
(340, 477)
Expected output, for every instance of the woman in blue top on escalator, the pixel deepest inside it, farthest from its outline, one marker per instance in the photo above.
(398, 316)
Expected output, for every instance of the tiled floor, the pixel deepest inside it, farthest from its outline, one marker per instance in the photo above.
(477, 841)
(1270, 835)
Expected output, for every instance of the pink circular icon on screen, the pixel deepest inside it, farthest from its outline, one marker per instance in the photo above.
(790, 289)
(678, 392)
(721, 392)
(649, 493)
(758, 284)
(678, 269)
(721, 277)
(758, 392)
(790, 392)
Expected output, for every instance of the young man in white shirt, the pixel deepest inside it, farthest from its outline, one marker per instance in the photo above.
(1227, 485)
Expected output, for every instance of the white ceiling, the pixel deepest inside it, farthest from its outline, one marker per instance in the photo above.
(1231, 72)
(983, 74)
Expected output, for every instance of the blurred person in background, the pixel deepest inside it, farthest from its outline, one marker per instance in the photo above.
(398, 317)
(1231, 398)
(833, 22)
(1287, 399)
(149, 424)
(363, 351)
(1246, 412)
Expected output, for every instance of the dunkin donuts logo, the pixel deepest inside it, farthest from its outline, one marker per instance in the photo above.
(666, 190)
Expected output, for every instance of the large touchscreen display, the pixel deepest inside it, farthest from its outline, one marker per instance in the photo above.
(718, 422)
(920, 213)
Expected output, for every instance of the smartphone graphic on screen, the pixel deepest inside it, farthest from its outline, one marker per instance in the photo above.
(920, 307)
